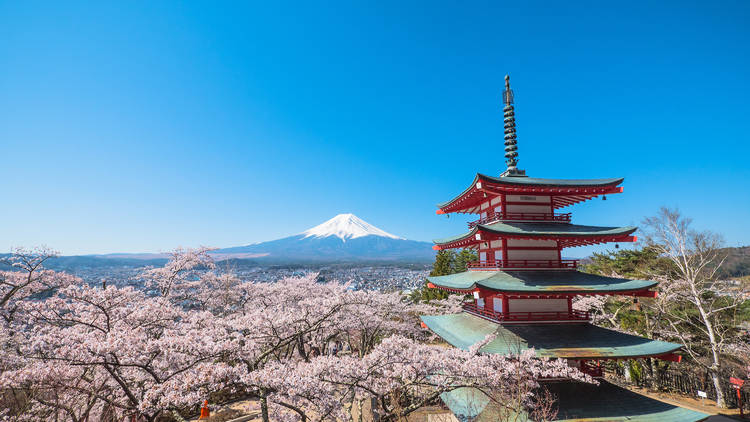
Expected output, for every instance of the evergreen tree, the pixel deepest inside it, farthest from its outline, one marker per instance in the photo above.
(462, 259)
(444, 263)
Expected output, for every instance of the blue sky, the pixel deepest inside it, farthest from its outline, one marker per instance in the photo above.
(141, 126)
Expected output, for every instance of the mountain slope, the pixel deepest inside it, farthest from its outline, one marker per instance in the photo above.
(344, 237)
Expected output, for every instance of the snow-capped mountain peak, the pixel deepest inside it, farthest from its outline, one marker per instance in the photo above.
(346, 226)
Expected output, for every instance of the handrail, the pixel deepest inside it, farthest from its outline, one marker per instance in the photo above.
(573, 315)
(524, 264)
(522, 216)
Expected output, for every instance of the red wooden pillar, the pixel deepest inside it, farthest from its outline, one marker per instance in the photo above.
(503, 205)
(505, 304)
(570, 304)
(505, 251)
(489, 303)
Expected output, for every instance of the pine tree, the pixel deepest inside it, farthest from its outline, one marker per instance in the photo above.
(462, 259)
(444, 263)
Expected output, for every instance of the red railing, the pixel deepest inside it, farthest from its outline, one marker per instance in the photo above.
(522, 216)
(524, 264)
(594, 371)
(526, 316)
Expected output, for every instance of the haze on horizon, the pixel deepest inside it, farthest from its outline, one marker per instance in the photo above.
(140, 127)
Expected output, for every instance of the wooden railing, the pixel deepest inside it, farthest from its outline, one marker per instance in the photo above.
(524, 264)
(522, 216)
(592, 370)
(526, 316)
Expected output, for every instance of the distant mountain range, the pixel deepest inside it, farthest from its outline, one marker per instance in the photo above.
(344, 238)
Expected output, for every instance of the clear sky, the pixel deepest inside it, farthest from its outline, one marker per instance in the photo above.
(141, 126)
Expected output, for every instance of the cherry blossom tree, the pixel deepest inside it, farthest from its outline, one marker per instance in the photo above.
(179, 277)
(115, 351)
(28, 279)
(104, 353)
(400, 376)
(695, 303)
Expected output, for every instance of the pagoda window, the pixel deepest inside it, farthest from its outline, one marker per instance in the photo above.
(497, 305)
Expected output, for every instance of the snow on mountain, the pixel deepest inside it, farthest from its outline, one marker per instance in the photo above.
(344, 238)
(346, 226)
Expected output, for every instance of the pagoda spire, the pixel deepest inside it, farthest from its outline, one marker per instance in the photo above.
(511, 147)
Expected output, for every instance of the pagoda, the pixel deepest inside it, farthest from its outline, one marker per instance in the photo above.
(523, 289)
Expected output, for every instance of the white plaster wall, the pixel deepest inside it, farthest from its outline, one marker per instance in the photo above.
(538, 305)
(532, 254)
(531, 242)
(529, 208)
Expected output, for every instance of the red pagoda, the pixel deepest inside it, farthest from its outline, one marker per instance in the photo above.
(523, 289)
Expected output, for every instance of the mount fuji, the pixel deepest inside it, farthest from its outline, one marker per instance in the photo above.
(345, 237)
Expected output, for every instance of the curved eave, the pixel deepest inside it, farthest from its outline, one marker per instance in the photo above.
(472, 189)
(565, 192)
(552, 231)
(539, 282)
(550, 183)
(567, 341)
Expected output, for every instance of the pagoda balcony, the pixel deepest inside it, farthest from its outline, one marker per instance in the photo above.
(589, 369)
(524, 264)
(522, 216)
(564, 316)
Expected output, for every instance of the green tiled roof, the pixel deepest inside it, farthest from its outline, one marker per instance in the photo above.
(541, 230)
(466, 403)
(575, 402)
(542, 281)
(563, 183)
(570, 340)
(535, 181)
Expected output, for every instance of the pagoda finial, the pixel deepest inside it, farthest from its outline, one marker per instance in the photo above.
(511, 147)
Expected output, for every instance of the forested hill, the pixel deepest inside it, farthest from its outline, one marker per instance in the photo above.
(626, 263)
(737, 263)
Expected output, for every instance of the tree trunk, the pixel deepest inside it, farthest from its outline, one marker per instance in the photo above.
(264, 406)
(720, 401)
(715, 355)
